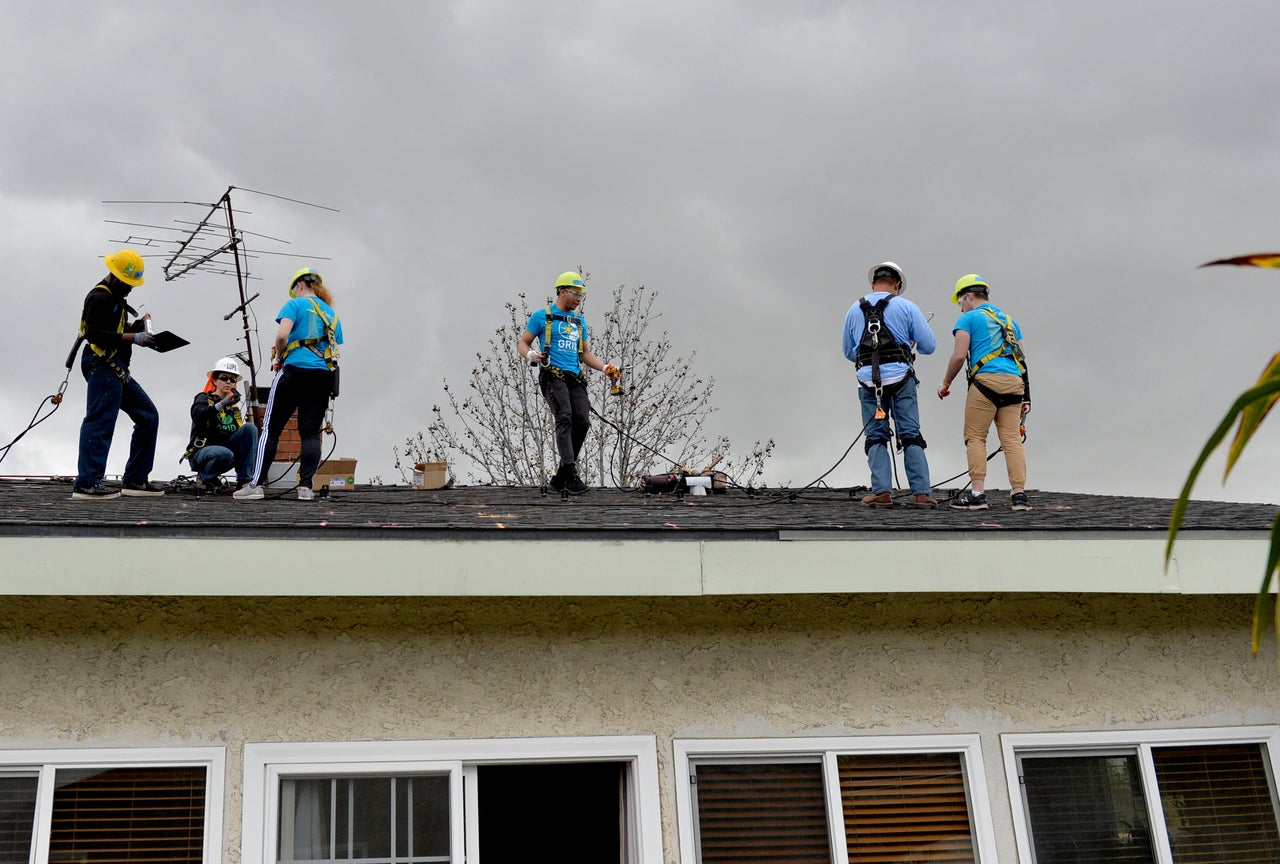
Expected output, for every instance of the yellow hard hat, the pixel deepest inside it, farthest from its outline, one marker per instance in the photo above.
(305, 271)
(571, 279)
(966, 284)
(126, 265)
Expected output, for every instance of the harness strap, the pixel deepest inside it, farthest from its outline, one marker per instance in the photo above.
(1008, 346)
(1000, 400)
(553, 316)
(99, 350)
(327, 355)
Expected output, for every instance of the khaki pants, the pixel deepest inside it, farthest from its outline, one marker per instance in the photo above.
(978, 414)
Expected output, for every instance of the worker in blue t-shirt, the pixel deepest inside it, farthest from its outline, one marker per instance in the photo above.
(989, 348)
(562, 339)
(306, 358)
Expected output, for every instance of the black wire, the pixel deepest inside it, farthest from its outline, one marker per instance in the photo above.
(4, 451)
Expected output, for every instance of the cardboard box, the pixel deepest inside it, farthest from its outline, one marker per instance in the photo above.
(337, 474)
(430, 475)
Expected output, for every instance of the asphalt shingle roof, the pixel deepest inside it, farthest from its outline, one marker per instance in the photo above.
(45, 507)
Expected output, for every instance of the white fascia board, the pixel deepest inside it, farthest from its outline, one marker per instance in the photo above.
(1077, 562)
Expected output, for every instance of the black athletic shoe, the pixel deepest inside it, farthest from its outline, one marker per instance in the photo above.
(142, 490)
(557, 480)
(1018, 501)
(968, 500)
(99, 492)
(574, 485)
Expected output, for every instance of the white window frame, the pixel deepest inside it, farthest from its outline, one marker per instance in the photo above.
(688, 751)
(265, 764)
(1142, 741)
(45, 763)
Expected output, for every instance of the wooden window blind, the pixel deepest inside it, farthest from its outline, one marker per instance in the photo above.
(1219, 804)
(128, 815)
(905, 807)
(17, 816)
(760, 813)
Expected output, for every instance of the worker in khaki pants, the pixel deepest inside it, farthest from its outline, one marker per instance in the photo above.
(989, 347)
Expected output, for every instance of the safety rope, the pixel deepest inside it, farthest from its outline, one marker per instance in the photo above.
(36, 419)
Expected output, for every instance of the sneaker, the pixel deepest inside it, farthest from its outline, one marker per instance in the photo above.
(1018, 501)
(925, 501)
(573, 484)
(305, 493)
(100, 492)
(968, 500)
(877, 499)
(142, 490)
(248, 493)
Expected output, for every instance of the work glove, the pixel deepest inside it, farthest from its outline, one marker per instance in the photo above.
(143, 339)
(944, 391)
(613, 373)
(534, 356)
(229, 400)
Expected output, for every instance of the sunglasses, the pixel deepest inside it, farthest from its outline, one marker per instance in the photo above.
(230, 379)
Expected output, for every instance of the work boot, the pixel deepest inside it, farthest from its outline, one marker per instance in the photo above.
(968, 500)
(142, 490)
(557, 479)
(574, 485)
(98, 492)
(877, 499)
(924, 500)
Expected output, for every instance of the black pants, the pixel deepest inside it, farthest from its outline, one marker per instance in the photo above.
(307, 392)
(567, 396)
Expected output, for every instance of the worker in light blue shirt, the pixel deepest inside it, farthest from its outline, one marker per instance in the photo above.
(882, 332)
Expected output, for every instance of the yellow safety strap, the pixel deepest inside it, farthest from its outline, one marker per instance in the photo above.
(102, 352)
(1010, 346)
(328, 337)
(546, 346)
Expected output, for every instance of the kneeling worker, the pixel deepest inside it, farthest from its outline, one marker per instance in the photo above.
(220, 437)
(562, 353)
(989, 348)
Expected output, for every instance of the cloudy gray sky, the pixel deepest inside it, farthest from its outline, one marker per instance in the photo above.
(746, 160)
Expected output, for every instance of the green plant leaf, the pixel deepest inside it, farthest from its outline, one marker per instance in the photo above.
(1264, 593)
(1253, 394)
(1253, 415)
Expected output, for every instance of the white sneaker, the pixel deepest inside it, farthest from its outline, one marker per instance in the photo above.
(305, 494)
(248, 493)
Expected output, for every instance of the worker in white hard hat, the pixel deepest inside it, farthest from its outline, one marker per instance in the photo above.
(221, 438)
(882, 333)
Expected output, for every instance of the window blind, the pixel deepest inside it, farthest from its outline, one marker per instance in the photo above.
(1087, 808)
(1219, 804)
(762, 813)
(128, 815)
(906, 807)
(17, 815)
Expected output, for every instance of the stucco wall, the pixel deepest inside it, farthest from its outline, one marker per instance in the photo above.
(223, 671)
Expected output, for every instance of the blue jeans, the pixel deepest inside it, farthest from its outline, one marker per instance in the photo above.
(213, 460)
(901, 404)
(105, 398)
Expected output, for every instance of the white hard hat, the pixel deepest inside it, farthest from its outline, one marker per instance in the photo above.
(887, 265)
(227, 364)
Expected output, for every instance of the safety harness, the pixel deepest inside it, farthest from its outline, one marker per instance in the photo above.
(571, 318)
(878, 346)
(329, 354)
(1008, 347)
(198, 441)
(105, 357)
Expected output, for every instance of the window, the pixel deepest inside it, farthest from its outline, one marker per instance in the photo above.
(446, 802)
(111, 805)
(833, 800)
(1187, 796)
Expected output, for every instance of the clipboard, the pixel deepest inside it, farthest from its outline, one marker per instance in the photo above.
(167, 340)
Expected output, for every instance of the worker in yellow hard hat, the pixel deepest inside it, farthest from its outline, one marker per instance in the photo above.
(561, 353)
(989, 348)
(109, 338)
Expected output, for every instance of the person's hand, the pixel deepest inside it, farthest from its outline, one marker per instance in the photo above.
(534, 356)
(944, 391)
(143, 339)
(613, 373)
(230, 399)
